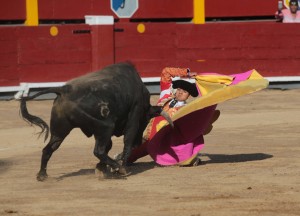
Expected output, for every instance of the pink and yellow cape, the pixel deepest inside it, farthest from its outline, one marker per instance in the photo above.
(181, 144)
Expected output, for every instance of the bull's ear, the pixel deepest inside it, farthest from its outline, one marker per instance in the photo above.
(154, 111)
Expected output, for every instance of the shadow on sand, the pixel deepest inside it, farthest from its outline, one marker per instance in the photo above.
(4, 165)
(80, 172)
(236, 158)
(139, 167)
(134, 169)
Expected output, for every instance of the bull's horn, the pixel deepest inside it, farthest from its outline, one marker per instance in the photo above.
(167, 117)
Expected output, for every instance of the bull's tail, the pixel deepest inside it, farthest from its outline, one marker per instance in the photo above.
(34, 120)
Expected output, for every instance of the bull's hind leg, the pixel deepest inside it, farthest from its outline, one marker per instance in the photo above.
(52, 146)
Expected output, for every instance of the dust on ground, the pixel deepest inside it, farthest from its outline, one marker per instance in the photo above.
(251, 167)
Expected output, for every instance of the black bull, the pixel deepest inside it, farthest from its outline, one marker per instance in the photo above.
(113, 101)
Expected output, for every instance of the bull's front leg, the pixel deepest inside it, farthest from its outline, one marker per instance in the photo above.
(103, 144)
(106, 163)
(102, 169)
(132, 136)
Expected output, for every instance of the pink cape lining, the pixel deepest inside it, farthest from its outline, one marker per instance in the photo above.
(170, 146)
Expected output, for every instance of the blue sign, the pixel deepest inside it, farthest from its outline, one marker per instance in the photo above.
(124, 8)
(116, 4)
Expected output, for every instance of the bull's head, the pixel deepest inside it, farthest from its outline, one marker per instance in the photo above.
(158, 110)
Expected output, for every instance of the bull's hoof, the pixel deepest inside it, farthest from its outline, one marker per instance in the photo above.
(123, 171)
(100, 174)
(117, 175)
(108, 175)
(41, 176)
(101, 171)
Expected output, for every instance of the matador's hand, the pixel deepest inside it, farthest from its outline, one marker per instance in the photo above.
(192, 74)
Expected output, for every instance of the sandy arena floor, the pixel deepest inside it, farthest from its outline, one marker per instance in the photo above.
(251, 167)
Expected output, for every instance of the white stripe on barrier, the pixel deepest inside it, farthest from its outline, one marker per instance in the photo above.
(23, 88)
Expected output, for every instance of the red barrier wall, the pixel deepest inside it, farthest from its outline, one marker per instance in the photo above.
(13, 10)
(46, 58)
(271, 48)
(164, 9)
(240, 8)
(32, 54)
(154, 9)
(68, 9)
(102, 46)
(9, 74)
(77, 9)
